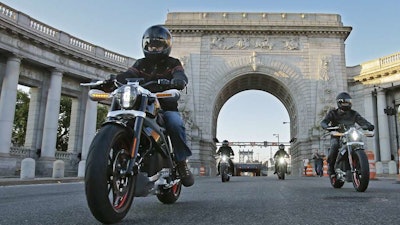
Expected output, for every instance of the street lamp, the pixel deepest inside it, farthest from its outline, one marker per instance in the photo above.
(276, 135)
(391, 111)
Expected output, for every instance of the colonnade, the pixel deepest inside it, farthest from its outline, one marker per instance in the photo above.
(42, 124)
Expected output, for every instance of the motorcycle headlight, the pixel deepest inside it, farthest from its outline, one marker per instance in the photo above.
(224, 158)
(355, 136)
(127, 96)
(281, 160)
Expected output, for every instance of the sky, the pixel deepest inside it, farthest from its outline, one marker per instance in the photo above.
(118, 26)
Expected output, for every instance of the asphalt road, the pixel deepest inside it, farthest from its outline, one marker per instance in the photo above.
(243, 200)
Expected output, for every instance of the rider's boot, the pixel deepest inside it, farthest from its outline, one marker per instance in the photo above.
(185, 174)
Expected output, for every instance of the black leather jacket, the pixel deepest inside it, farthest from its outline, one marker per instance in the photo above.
(336, 117)
(225, 150)
(168, 68)
(281, 153)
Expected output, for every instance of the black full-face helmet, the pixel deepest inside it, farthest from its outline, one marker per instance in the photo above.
(343, 101)
(225, 143)
(281, 147)
(156, 42)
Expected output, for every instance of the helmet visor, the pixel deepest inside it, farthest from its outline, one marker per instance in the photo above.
(155, 44)
(344, 101)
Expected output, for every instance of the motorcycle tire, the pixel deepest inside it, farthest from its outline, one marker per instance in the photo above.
(361, 171)
(109, 193)
(336, 183)
(224, 174)
(170, 195)
(281, 175)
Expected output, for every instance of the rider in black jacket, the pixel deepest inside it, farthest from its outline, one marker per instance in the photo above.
(155, 66)
(343, 115)
(280, 153)
(225, 149)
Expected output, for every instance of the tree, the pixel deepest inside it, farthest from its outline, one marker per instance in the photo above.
(64, 119)
(102, 111)
(20, 118)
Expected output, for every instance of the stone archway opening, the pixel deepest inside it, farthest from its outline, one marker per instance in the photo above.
(261, 82)
(254, 121)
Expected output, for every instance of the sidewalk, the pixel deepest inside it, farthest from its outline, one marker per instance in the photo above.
(388, 177)
(8, 181)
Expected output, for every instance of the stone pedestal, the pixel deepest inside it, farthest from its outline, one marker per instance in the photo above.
(28, 167)
(82, 168)
(379, 167)
(58, 169)
(392, 167)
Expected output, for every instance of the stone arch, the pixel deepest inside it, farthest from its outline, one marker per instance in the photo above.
(272, 76)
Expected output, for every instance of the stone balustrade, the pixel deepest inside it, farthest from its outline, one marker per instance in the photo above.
(27, 23)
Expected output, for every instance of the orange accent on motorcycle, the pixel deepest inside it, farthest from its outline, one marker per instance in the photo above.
(134, 147)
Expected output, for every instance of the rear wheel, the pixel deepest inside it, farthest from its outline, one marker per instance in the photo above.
(361, 171)
(170, 195)
(336, 183)
(109, 192)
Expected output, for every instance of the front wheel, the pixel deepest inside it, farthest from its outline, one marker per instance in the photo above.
(224, 173)
(109, 192)
(281, 175)
(281, 172)
(361, 171)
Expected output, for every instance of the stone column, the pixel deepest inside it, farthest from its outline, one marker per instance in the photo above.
(35, 118)
(89, 131)
(89, 126)
(371, 144)
(49, 139)
(384, 138)
(7, 103)
(74, 127)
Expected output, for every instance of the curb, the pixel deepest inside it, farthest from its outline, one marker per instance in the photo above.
(18, 181)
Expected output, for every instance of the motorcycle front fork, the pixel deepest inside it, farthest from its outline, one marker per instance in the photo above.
(348, 167)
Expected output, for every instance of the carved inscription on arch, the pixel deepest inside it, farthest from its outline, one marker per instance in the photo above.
(265, 43)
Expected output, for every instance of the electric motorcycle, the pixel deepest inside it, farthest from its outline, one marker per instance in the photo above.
(225, 168)
(281, 168)
(352, 162)
(131, 155)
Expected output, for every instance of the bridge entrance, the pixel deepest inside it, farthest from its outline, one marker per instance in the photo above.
(298, 58)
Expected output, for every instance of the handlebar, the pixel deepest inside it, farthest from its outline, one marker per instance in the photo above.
(333, 131)
(96, 83)
(129, 81)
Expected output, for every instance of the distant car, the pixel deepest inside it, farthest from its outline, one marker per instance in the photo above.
(245, 168)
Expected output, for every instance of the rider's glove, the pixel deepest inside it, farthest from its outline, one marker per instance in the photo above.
(371, 127)
(178, 84)
(163, 81)
(108, 84)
